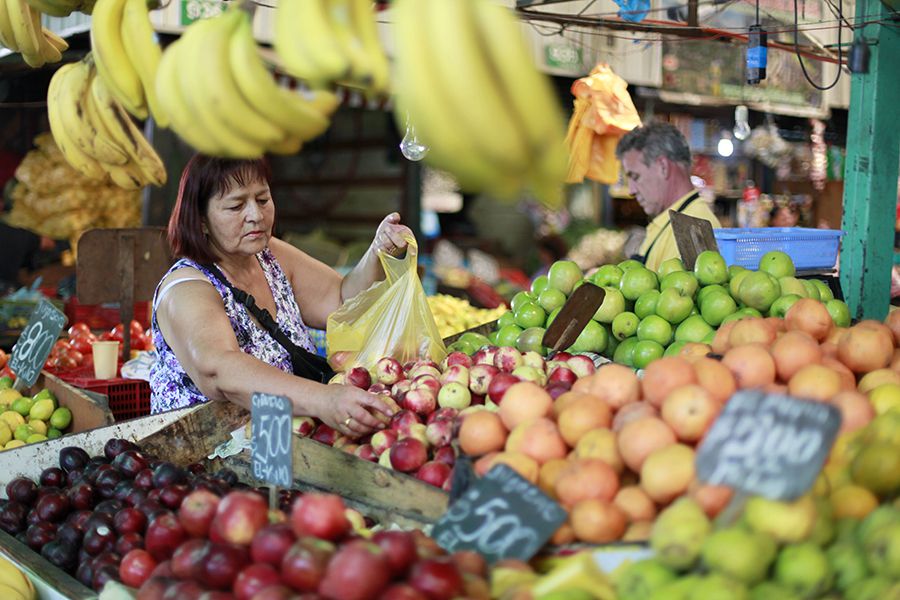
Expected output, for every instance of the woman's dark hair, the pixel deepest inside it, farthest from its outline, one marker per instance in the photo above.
(203, 178)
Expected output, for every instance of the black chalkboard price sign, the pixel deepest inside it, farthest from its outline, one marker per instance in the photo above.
(273, 458)
(34, 345)
(768, 444)
(502, 515)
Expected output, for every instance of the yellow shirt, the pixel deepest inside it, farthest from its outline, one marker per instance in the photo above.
(665, 246)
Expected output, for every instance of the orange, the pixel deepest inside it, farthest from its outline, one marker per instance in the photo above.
(597, 521)
(539, 439)
(586, 478)
(810, 316)
(601, 444)
(581, 416)
(793, 351)
(667, 472)
(752, 365)
(664, 375)
(635, 503)
(689, 410)
(640, 438)
(549, 473)
(616, 385)
(522, 464)
(524, 401)
(633, 412)
(866, 346)
(481, 432)
(716, 378)
(815, 382)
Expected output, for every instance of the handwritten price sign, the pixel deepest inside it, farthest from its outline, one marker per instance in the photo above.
(273, 458)
(500, 516)
(768, 444)
(34, 345)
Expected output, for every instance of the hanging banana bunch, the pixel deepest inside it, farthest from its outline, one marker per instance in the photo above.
(21, 31)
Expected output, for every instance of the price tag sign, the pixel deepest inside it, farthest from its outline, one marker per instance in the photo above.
(501, 516)
(34, 345)
(692, 236)
(768, 444)
(272, 451)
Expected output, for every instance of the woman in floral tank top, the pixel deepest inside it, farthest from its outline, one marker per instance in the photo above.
(209, 346)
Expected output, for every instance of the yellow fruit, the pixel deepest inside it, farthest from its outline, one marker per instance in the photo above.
(784, 521)
(837, 474)
(12, 418)
(38, 426)
(35, 437)
(5, 433)
(13, 444)
(884, 398)
(7, 397)
(852, 501)
(42, 409)
(877, 468)
(844, 448)
(877, 378)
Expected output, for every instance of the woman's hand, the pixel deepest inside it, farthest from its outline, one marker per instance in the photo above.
(349, 410)
(391, 236)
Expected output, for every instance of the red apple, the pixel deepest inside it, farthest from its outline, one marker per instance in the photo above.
(324, 434)
(408, 454)
(222, 564)
(197, 511)
(477, 399)
(187, 561)
(437, 578)
(456, 374)
(304, 564)
(442, 414)
(426, 381)
(562, 356)
(239, 516)
(172, 495)
(499, 384)
(439, 433)
(480, 377)
(303, 426)
(402, 591)
(508, 359)
(421, 401)
(358, 571)
(128, 542)
(273, 592)
(454, 395)
(130, 520)
(484, 356)
(164, 535)
(581, 365)
(136, 567)
(366, 452)
(424, 368)
(253, 579)
(399, 548)
(417, 431)
(526, 373)
(383, 440)
(433, 472)
(399, 389)
(457, 358)
(271, 543)
(426, 547)
(446, 455)
(533, 359)
(563, 374)
(359, 377)
(320, 515)
(557, 389)
(388, 371)
(379, 388)
(402, 420)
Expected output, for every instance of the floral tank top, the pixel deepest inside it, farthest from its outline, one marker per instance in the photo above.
(170, 385)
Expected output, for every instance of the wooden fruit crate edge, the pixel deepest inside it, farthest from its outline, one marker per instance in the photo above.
(483, 329)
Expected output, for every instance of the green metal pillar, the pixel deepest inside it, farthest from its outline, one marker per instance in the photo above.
(870, 182)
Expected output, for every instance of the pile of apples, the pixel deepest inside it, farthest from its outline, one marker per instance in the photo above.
(617, 448)
(234, 547)
(428, 398)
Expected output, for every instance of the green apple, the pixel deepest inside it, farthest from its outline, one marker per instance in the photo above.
(716, 306)
(508, 336)
(613, 304)
(735, 316)
(492, 336)
(734, 284)
(811, 290)
(507, 318)
(791, 285)
(777, 264)
(674, 305)
(636, 281)
(563, 275)
(607, 275)
(645, 352)
(669, 266)
(693, 329)
(750, 312)
(682, 280)
(674, 348)
(530, 315)
(476, 339)
(591, 339)
(825, 293)
(839, 311)
(627, 265)
(708, 340)
(625, 352)
(625, 325)
(655, 328)
(552, 316)
(710, 268)
(780, 307)
(530, 340)
(551, 299)
(759, 290)
(470, 349)
(611, 343)
(540, 283)
(521, 298)
(709, 289)
(734, 270)
(646, 304)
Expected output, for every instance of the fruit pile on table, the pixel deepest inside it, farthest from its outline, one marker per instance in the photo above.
(27, 420)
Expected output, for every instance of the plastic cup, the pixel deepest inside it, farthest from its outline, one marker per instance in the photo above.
(106, 359)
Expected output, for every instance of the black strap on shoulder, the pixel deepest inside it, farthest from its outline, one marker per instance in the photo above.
(681, 209)
(305, 363)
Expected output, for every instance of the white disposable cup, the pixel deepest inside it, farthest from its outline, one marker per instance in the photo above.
(106, 359)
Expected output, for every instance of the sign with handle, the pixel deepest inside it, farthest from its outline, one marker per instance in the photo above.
(272, 450)
(692, 236)
(34, 345)
(768, 444)
(573, 317)
(502, 515)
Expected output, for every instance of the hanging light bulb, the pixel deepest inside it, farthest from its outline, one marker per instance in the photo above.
(725, 147)
(410, 146)
(741, 125)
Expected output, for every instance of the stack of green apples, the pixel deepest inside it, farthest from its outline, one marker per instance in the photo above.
(647, 314)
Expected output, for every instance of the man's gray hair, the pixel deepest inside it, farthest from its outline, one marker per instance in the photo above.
(655, 140)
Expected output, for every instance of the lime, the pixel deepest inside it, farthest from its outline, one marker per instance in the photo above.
(563, 275)
(45, 393)
(540, 283)
(777, 264)
(508, 336)
(22, 405)
(53, 433)
(38, 426)
(624, 354)
(5, 382)
(551, 299)
(655, 328)
(520, 299)
(62, 416)
(507, 318)
(35, 437)
(531, 340)
(475, 339)
(645, 352)
(530, 315)
(646, 304)
(23, 432)
(593, 338)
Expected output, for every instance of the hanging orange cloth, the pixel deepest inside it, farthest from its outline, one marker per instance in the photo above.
(603, 112)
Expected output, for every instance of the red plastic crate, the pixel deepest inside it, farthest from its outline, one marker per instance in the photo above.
(128, 398)
(104, 316)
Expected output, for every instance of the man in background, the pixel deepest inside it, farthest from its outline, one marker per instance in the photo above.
(657, 163)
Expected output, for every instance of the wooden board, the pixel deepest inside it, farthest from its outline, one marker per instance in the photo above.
(196, 434)
(483, 329)
(574, 317)
(693, 236)
(33, 563)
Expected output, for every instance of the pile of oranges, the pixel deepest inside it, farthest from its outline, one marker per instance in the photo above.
(618, 448)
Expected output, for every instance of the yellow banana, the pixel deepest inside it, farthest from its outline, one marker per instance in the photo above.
(127, 177)
(285, 109)
(57, 42)
(23, 28)
(144, 155)
(7, 36)
(8, 592)
(143, 52)
(289, 146)
(72, 111)
(365, 26)
(305, 41)
(173, 103)
(214, 99)
(70, 150)
(49, 52)
(112, 62)
(12, 576)
(340, 18)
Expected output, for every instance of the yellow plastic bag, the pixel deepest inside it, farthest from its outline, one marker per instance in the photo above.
(391, 318)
